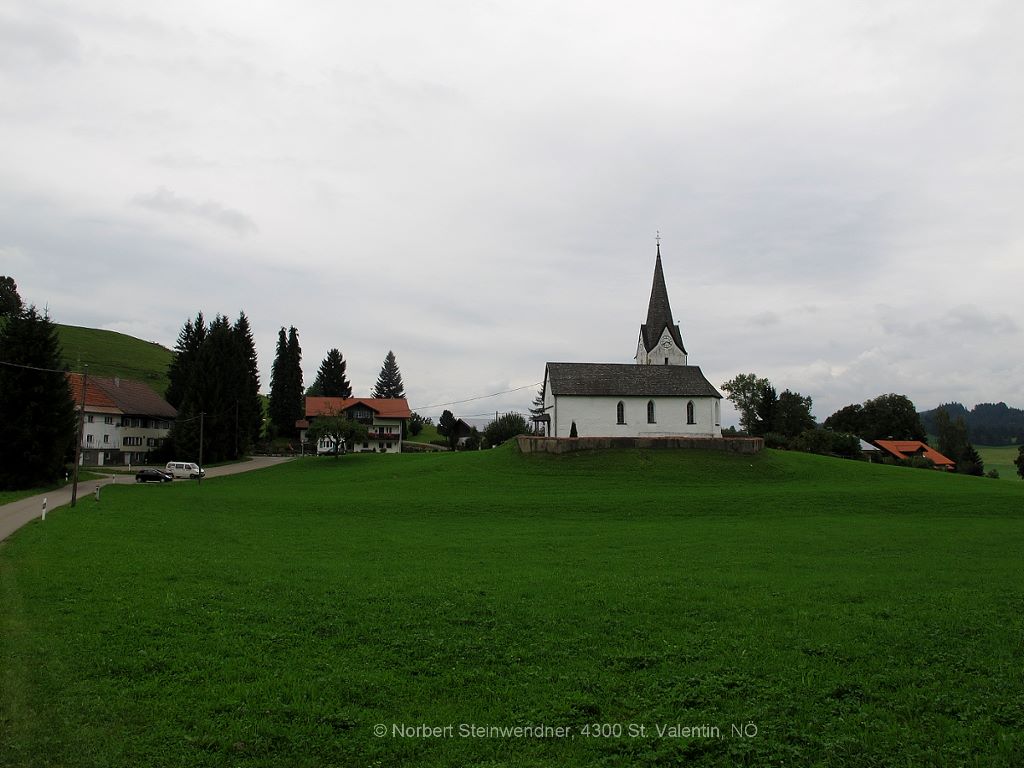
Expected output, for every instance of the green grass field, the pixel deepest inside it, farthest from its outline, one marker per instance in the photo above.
(1000, 457)
(114, 354)
(838, 613)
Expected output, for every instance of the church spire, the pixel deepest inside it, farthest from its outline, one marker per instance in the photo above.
(659, 312)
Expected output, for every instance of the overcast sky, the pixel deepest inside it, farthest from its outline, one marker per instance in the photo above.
(477, 185)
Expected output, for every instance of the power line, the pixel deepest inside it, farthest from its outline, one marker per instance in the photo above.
(32, 367)
(473, 399)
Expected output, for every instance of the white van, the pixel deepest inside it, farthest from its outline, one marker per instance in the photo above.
(185, 469)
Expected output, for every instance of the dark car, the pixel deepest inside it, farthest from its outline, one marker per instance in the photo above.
(153, 476)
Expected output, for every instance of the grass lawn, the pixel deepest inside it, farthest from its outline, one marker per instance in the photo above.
(6, 497)
(838, 613)
(110, 354)
(1000, 457)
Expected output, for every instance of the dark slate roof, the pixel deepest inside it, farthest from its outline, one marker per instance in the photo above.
(628, 379)
(659, 312)
(135, 398)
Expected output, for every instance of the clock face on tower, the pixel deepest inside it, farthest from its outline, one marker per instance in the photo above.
(666, 344)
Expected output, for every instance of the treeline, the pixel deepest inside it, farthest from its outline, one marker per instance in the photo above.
(215, 386)
(987, 423)
(785, 420)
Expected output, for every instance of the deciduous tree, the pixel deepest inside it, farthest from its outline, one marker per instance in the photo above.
(448, 428)
(883, 417)
(338, 429)
(505, 427)
(793, 414)
(745, 392)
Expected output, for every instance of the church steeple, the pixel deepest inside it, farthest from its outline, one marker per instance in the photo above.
(660, 339)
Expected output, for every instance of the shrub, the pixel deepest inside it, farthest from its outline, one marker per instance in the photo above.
(505, 427)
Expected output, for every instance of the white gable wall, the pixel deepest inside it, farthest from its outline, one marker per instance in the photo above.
(595, 416)
(665, 348)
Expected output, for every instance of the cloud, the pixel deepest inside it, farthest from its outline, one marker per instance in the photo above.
(964, 320)
(26, 42)
(165, 201)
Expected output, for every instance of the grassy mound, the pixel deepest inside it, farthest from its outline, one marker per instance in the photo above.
(109, 353)
(837, 613)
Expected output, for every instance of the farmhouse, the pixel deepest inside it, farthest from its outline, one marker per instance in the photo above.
(124, 420)
(908, 449)
(658, 395)
(384, 418)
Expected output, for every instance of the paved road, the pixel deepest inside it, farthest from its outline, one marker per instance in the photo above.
(17, 513)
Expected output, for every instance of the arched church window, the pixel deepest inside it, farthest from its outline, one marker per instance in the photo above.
(718, 414)
(620, 413)
(690, 415)
(650, 412)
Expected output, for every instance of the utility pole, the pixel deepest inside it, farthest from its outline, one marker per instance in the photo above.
(202, 414)
(81, 437)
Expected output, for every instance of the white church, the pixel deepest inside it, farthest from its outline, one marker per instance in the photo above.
(659, 395)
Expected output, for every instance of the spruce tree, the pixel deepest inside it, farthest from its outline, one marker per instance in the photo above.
(287, 404)
(38, 426)
(250, 404)
(183, 365)
(10, 299)
(330, 379)
(537, 410)
(389, 383)
(215, 385)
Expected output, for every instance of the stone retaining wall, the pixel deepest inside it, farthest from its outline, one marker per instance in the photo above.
(744, 445)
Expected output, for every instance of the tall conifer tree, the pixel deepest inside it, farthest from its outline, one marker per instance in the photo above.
(38, 425)
(330, 379)
(250, 404)
(389, 382)
(287, 404)
(182, 367)
(215, 387)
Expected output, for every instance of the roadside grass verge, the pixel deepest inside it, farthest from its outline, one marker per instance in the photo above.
(855, 615)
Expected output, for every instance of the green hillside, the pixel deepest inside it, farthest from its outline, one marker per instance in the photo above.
(109, 353)
(837, 613)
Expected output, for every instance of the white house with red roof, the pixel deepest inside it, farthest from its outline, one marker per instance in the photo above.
(384, 419)
(124, 419)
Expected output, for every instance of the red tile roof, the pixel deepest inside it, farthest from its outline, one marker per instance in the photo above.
(904, 449)
(120, 396)
(386, 408)
(136, 398)
(95, 396)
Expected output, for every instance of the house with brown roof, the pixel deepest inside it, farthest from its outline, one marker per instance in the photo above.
(124, 419)
(658, 395)
(384, 418)
(908, 449)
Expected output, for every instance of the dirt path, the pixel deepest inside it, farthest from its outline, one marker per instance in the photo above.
(17, 513)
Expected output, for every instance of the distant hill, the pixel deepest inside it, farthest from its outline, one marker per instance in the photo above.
(109, 353)
(987, 423)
